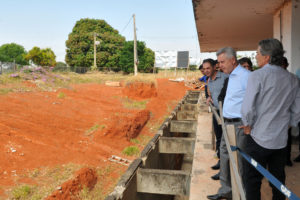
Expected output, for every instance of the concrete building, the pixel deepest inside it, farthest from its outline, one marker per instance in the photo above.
(243, 23)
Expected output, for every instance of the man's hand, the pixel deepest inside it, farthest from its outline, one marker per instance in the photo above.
(247, 129)
(209, 99)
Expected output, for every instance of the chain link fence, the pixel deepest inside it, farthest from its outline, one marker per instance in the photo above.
(7, 67)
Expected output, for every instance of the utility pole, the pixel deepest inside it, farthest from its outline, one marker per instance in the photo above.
(134, 47)
(95, 64)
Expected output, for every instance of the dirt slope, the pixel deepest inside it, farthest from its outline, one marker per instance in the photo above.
(71, 125)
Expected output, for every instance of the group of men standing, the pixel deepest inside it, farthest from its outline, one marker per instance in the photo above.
(261, 105)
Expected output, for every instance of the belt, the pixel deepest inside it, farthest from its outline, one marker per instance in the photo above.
(232, 119)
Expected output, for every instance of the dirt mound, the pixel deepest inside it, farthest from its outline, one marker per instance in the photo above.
(140, 90)
(128, 126)
(85, 178)
(50, 129)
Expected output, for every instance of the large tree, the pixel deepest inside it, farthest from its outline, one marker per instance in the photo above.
(80, 44)
(13, 53)
(145, 57)
(42, 57)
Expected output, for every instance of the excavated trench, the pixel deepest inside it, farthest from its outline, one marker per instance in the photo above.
(163, 170)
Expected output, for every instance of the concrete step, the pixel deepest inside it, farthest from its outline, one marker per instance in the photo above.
(176, 145)
(167, 182)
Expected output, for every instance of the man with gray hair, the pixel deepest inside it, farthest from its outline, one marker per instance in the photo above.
(236, 88)
(271, 105)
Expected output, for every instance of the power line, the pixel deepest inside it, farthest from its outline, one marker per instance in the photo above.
(126, 25)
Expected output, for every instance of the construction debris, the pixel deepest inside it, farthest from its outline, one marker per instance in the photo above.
(120, 160)
(113, 83)
(194, 84)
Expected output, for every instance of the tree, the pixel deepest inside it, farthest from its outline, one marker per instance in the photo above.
(145, 57)
(42, 57)
(80, 44)
(13, 52)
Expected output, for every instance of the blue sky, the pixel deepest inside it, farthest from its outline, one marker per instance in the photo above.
(162, 24)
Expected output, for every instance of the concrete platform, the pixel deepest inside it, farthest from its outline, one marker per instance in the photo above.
(201, 183)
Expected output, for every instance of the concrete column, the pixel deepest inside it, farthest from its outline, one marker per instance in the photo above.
(286, 28)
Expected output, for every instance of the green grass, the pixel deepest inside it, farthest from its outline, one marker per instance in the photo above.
(141, 140)
(22, 192)
(61, 95)
(101, 189)
(131, 151)
(132, 104)
(5, 90)
(47, 180)
(92, 129)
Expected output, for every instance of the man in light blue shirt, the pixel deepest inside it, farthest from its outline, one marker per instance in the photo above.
(271, 105)
(236, 88)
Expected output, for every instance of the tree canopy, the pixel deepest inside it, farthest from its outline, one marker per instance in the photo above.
(41, 57)
(80, 44)
(113, 53)
(145, 57)
(13, 52)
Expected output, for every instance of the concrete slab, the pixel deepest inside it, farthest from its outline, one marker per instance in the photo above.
(156, 181)
(183, 126)
(177, 145)
(189, 107)
(201, 183)
(187, 115)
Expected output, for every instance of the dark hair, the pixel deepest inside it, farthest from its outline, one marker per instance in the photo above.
(274, 49)
(245, 60)
(285, 63)
(216, 61)
(200, 67)
(210, 61)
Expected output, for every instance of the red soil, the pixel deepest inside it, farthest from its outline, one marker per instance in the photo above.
(140, 90)
(69, 190)
(127, 126)
(39, 129)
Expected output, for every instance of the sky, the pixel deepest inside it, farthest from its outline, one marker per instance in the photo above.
(161, 24)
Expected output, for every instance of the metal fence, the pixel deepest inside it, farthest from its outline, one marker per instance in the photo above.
(7, 67)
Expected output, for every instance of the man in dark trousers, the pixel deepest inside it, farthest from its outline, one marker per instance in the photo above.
(236, 88)
(271, 105)
(215, 84)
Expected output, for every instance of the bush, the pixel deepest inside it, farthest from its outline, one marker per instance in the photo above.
(22, 192)
(193, 67)
(131, 151)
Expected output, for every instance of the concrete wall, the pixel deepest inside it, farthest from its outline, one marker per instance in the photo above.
(282, 27)
(295, 62)
(286, 28)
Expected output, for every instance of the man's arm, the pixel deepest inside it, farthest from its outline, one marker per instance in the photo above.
(248, 110)
(295, 108)
(222, 94)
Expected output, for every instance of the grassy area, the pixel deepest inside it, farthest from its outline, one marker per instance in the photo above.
(22, 192)
(141, 140)
(51, 81)
(131, 151)
(47, 180)
(132, 104)
(61, 95)
(105, 184)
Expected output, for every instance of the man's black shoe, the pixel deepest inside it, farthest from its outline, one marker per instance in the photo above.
(216, 166)
(289, 163)
(297, 159)
(216, 177)
(219, 196)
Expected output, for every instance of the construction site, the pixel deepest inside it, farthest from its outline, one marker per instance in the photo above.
(132, 135)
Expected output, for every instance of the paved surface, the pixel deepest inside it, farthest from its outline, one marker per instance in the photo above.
(201, 183)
